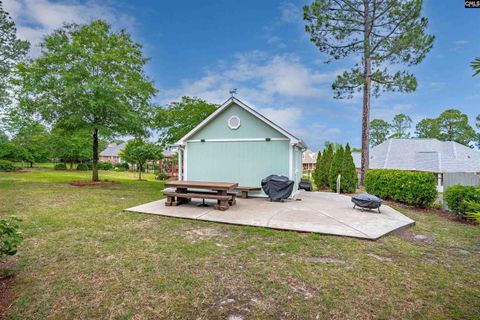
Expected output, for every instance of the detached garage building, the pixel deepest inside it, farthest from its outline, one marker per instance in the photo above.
(238, 144)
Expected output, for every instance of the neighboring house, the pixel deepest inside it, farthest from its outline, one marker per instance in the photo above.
(444, 158)
(309, 159)
(111, 153)
(238, 144)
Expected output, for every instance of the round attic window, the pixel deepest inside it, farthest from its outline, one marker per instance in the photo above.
(234, 122)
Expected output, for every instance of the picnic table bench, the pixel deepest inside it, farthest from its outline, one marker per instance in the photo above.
(245, 190)
(183, 194)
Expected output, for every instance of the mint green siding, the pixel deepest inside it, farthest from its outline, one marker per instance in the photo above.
(251, 127)
(240, 155)
(245, 162)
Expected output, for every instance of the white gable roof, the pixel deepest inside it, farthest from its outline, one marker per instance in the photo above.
(236, 101)
(422, 155)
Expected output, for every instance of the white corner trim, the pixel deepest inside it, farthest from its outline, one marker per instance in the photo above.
(180, 163)
(185, 162)
(290, 161)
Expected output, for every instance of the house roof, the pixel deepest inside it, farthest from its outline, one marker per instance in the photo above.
(225, 105)
(113, 149)
(422, 155)
(309, 156)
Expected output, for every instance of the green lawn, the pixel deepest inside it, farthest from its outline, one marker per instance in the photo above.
(83, 257)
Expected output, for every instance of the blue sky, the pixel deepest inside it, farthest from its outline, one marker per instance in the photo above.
(206, 48)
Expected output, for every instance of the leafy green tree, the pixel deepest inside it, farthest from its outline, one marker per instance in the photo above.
(12, 50)
(428, 128)
(70, 147)
(138, 152)
(349, 172)
(3, 137)
(454, 126)
(324, 167)
(400, 125)
(316, 172)
(180, 117)
(476, 66)
(381, 34)
(379, 131)
(335, 168)
(32, 140)
(89, 78)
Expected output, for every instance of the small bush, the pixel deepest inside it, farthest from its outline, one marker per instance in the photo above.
(60, 166)
(10, 237)
(121, 166)
(161, 176)
(414, 188)
(104, 166)
(7, 166)
(82, 167)
(462, 199)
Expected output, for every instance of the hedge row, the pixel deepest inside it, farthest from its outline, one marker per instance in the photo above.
(8, 166)
(410, 187)
(463, 200)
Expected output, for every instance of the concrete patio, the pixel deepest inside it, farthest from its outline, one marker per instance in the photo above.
(320, 212)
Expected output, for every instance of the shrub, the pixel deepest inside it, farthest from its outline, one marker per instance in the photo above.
(10, 237)
(82, 167)
(323, 168)
(161, 176)
(349, 179)
(410, 187)
(316, 173)
(60, 166)
(6, 165)
(473, 211)
(462, 199)
(121, 166)
(335, 168)
(104, 166)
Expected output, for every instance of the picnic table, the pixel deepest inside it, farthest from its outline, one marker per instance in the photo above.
(214, 190)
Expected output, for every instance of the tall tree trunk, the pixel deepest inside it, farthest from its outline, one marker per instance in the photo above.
(366, 95)
(95, 155)
(31, 164)
(71, 165)
(140, 168)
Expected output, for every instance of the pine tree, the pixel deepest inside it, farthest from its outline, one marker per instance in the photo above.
(316, 172)
(324, 170)
(349, 172)
(335, 168)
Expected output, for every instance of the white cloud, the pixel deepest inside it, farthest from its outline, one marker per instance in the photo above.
(388, 111)
(36, 18)
(259, 78)
(290, 13)
(288, 118)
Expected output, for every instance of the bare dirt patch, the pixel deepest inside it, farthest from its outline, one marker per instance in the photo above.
(379, 258)
(91, 183)
(15, 172)
(411, 236)
(429, 211)
(204, 233)
(7, 295)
